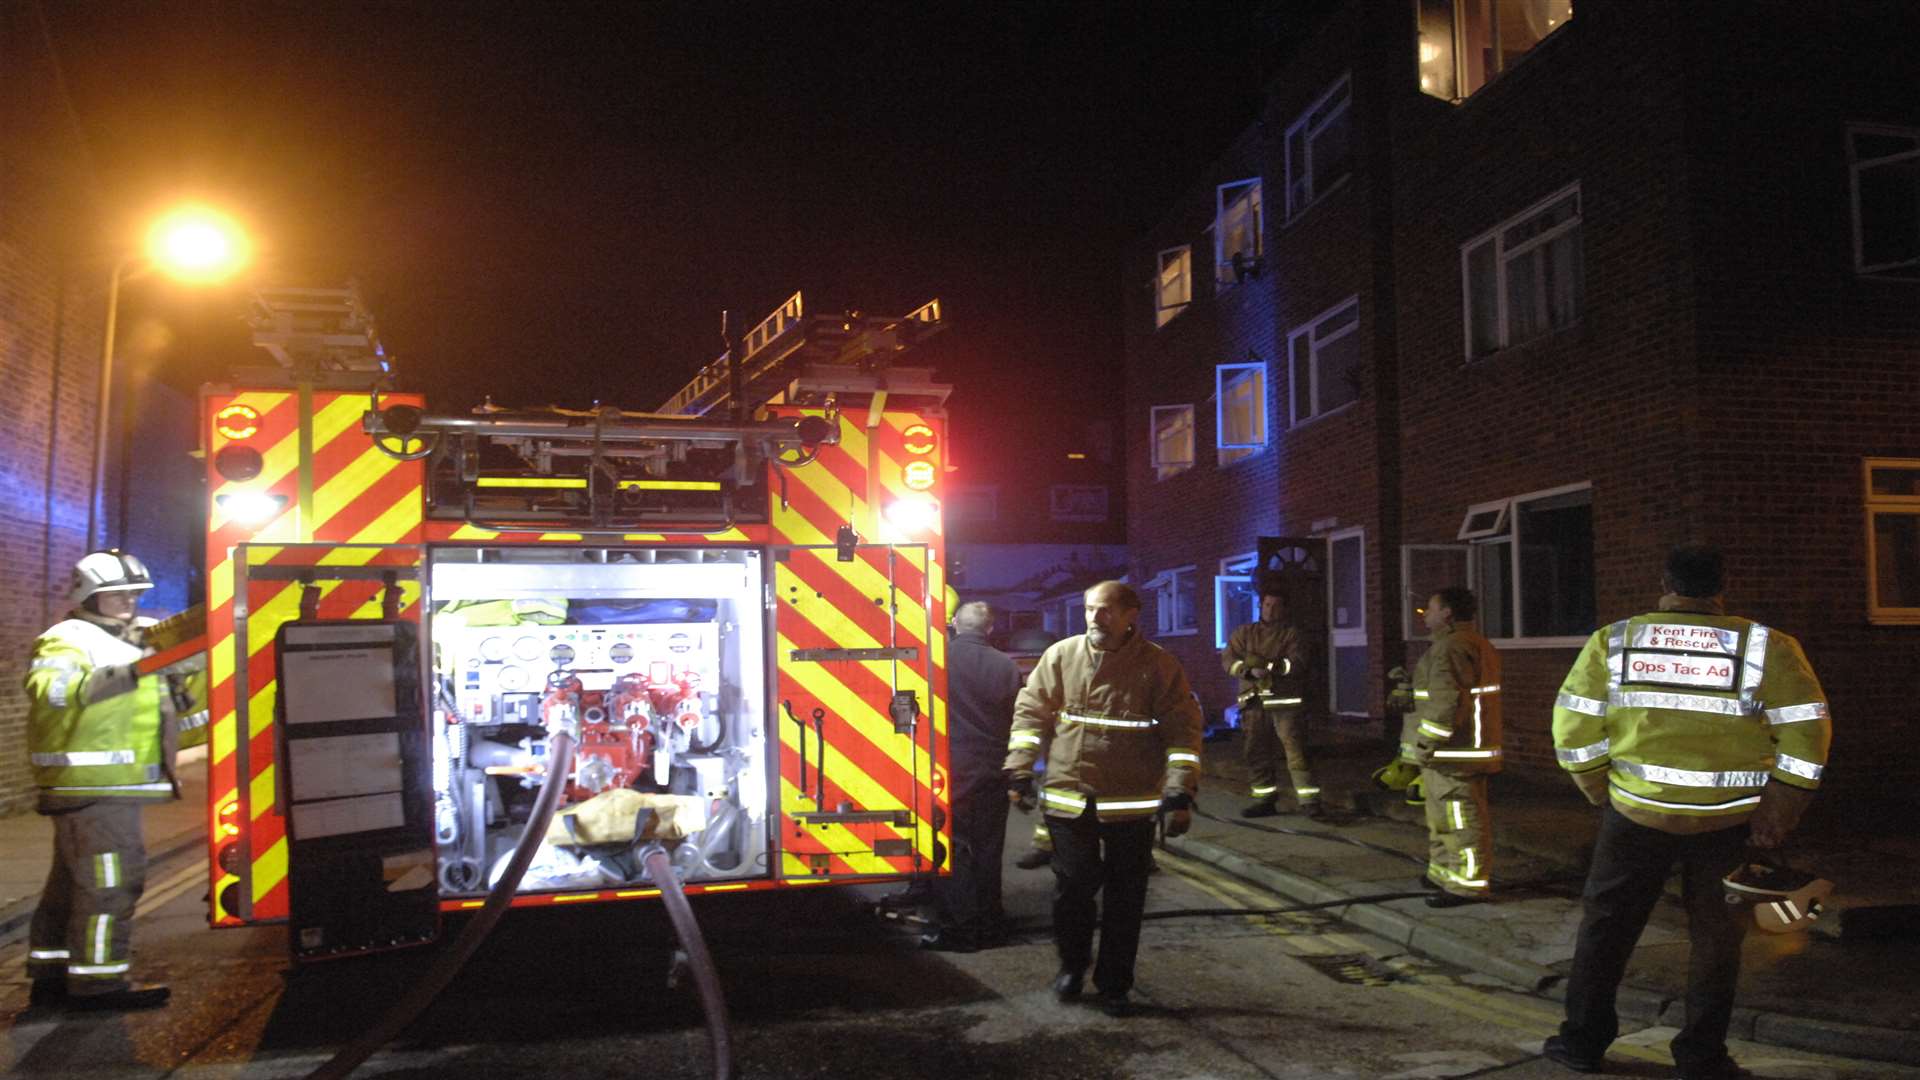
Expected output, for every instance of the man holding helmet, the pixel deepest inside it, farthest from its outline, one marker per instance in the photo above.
(1702, 734)
(101, 739)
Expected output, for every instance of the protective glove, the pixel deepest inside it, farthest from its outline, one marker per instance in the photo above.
(1416, 793)
(1020, 791)
(1400, 696)
(1257, 674)
(1178, 822)
(1177, 801)
(1395, 775)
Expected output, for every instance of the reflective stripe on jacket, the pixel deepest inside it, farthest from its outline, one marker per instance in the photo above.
(1684, 715)
(1274, 646)
(1122, 727)
(79, 744)
(1456, 703)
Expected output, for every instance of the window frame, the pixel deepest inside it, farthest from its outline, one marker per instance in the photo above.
(1456, 50)
(1908, 270)
(1417, 631)
(1055, 492)
(1872, 507)
(1502, 257)
(1304, 126)
(1164, 470)
(1309, 330)
(1223, 376)
(1234, 570)
(1167, 583)
(1164, 312)
(1225, 214)
(1510, 535)
(1498, 507)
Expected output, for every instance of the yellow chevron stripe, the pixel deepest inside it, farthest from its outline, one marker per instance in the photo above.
(260, 793)
(847, 634)
(283, 457)
(269, 869)
(868, 582)
(345, 487)
(220, 741)
(847, 709)
(839, 842)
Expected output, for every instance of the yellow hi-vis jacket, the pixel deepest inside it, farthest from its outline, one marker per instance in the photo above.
(1455, 720)
(94, 730)
(1122, 728)
(1274, 646)
(1684, 715)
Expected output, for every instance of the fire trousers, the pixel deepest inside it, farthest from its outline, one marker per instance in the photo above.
(1099, 863)
(1459, 831)
(83, 928)
(1629, 873)
(1270, 732)
(968, 900)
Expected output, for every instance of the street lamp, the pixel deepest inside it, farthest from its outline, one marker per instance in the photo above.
(192, 244)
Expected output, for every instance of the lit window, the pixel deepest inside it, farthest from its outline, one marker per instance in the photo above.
(1884, 166)
(1236, 232)
(1235, 601)
(1325, 362)
(1171, 440)
(1547, 592)
(1173, 284)
(1173, 602)
(1319, 148)
(1524, 278)
(1464, 44)
(1077, 502)
(1240, 410)
(1893, 540)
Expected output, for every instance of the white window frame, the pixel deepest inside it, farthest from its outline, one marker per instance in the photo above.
(1498, 508)
(1172, 284)
(1502, 257)
(1875, 506)
(1237, 570)
(1907, 269)
(1164, 468)
(1057, 494)
(1224, 377)
(1236, 204)
(1165, 587)
(1350, 636)
(1508, 535)
(1300, 191)
(1311, 332)
(1413, 628)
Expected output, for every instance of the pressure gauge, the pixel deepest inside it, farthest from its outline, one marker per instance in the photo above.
(527, 647)
(513, 678)
(621, 653)
(493, 649)
(562, 654)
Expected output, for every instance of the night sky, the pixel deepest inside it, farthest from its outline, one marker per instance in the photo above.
(553, 204)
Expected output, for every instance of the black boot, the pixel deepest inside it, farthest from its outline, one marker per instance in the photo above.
(1034, 860)
(1262, 808)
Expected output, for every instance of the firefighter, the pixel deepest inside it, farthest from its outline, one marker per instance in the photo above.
(1120, 728)
(982, 682)
(101, 739)
(1269, 659)
(1455, 736)
(1700, 733)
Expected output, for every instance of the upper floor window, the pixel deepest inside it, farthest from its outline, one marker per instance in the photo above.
(1240, 404)
(1173, 601)
(1173, 284)
(1893, 540)
(1077, 502)
(1236, 231)
(1884, 166)
(1171, 440)
(1319, 147)
(1525, 277)
(1323, 358)
(1465, 43)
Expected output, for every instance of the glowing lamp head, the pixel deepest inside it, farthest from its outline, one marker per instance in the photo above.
(918, 475)
(237, 421)
(913, 515)
(917, 439)
(198, 244)
(250, 509)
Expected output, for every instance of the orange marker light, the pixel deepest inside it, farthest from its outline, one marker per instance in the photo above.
(917, 439)
(918, 475)
(237, 421)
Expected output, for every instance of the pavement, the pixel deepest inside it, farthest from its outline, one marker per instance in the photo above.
(1848, 987)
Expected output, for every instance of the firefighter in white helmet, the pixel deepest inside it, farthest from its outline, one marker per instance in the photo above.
(1701, 733)
(100, 737)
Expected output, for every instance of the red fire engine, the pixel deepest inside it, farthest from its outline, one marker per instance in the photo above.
(737, 602)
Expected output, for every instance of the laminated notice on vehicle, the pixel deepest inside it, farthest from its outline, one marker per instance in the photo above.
(1681, 654)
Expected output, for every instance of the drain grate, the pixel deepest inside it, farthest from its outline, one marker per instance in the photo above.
(1354, 969)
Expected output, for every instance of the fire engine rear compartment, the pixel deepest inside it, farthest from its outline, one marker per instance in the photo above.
(667, 645)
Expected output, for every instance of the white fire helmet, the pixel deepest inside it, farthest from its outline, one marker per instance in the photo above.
(108, 571)
(1783, 899)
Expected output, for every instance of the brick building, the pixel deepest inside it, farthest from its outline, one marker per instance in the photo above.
(1528, 300)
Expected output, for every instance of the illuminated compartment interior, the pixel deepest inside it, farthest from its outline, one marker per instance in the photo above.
(659, 652)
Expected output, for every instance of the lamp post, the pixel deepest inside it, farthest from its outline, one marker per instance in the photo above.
(192, 244)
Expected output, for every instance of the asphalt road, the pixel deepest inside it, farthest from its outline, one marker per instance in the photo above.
(818, 986)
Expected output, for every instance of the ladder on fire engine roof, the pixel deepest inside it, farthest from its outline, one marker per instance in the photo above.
(794, 356)
(309, 330)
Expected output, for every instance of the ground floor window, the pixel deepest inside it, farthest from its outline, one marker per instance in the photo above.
(1529, 560)
(1893, 539)
(1174, 601)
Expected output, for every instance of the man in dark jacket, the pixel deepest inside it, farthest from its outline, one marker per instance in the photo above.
(982, 683)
